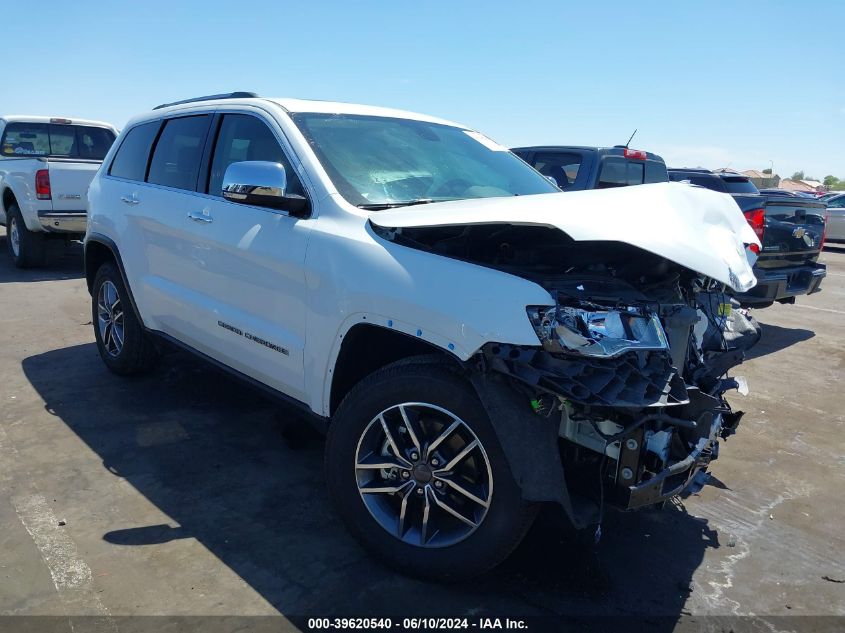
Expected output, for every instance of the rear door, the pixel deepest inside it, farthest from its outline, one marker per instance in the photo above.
(164, 232)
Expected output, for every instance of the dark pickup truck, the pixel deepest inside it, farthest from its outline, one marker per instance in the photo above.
(574, 168)
(791, 229)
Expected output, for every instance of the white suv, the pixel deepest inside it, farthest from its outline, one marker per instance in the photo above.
(474, 341)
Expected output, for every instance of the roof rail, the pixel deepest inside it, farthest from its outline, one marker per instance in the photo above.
(225, 95)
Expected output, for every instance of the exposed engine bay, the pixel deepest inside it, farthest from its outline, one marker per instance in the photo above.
(632, 361)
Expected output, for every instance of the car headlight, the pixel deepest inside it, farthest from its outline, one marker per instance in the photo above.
(597, 332)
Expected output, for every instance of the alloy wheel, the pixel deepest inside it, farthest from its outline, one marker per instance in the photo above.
(110, 318)
(423, 474)
(15, 236)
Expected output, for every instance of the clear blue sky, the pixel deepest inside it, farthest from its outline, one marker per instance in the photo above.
(707, 83)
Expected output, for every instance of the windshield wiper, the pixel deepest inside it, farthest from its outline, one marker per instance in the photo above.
(392, 205)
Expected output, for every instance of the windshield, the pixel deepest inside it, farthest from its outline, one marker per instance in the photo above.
(378, 162)
(56, 140)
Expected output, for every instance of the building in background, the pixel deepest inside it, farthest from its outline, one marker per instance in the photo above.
(761, 179)
(807, 186)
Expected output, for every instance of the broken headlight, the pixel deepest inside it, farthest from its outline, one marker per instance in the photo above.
(597, 332)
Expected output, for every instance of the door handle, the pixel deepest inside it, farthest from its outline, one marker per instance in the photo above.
(200, 216)
(133, 199)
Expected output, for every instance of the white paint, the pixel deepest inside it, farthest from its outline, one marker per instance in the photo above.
(806, 307)
(71, 575)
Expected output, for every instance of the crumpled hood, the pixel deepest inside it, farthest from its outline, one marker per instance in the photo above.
(697, 228)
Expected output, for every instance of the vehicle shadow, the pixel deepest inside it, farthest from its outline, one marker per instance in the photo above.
(776, 338)
(243, 476)
(66, 261)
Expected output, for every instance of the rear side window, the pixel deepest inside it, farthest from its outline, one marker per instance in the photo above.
(176, 158)
(56, 140)
(563, 167)
(618, 172)
(244, 137)
(132, 156)
(739, 185)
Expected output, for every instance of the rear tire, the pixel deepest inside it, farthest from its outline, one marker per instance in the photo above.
(123, 344)
(27, 249)
(433, 398)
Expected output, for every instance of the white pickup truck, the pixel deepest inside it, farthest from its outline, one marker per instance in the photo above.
(46, 165)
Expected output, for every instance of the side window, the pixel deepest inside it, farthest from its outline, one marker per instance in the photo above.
(837, 203)
(130, 162)
(244, 137)
(562, 167)
(176, 158)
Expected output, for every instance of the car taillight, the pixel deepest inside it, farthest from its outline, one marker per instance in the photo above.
(636, 154)
(824, 230)
(756, 220)
(42, 184)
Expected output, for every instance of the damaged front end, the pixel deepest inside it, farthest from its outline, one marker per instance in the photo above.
(621, 401)
(621, 398)
(633, 382)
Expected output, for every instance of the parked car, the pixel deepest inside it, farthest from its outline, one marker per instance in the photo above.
(791, 228)
(830, 194)
(46, 164)
(836, 218)
(574, 168)
(473, 340)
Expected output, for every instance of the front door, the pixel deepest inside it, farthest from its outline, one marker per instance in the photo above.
(246, 265)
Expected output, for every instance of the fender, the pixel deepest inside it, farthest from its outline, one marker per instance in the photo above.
(529, 442)
(99, 238)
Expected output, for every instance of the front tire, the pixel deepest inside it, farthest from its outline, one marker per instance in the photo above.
(416, 470)
(27, 249)
(123, 344)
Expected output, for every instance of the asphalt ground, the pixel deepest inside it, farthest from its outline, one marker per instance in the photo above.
(185, 493)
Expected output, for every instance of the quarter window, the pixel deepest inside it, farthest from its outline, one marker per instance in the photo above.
(176, 158)
(132, 156)
(244, 137)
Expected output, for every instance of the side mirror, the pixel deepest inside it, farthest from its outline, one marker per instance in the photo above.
(262, 184)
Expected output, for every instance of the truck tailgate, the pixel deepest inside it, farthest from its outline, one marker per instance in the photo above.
(794, 230)
(69, 180)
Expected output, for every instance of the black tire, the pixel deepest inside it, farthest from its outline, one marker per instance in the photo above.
(26, 248)
(508, 517)
(137, 353)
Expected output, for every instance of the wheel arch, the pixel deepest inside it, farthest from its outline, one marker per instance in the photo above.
(99, 250)
(8, 198)
(367, 347)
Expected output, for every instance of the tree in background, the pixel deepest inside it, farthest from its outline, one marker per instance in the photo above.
(767, 170)
(798, 175)
(830, 181)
